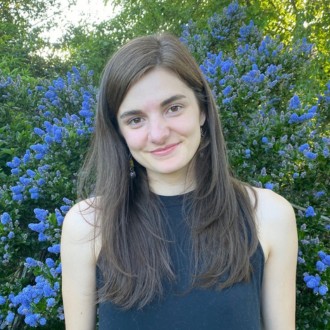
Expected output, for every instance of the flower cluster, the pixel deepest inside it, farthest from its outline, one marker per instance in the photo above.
(39, 190)
(276, 137)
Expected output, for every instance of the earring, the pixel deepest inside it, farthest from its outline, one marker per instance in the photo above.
(202, 132)
(132, 173)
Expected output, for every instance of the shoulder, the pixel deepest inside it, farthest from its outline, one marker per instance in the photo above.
(80, 220)
(79, 251)
(79, 226)
(275, 219)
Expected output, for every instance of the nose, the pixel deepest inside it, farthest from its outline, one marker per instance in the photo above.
(158, 131)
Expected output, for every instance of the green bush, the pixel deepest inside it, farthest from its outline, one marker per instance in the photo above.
(277, 139)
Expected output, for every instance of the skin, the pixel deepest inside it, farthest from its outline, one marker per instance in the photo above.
(160, 121)
(163, 137)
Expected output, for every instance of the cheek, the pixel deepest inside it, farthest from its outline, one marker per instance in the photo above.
(135, 140)
(188, 127)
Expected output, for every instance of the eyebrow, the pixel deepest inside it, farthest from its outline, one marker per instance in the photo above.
(162, 104)
(172, 99)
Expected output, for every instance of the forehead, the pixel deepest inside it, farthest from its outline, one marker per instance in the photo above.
(153, 88)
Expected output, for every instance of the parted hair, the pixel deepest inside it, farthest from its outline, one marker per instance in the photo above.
(134, 260)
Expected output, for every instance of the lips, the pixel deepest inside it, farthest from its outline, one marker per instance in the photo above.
(166, 150)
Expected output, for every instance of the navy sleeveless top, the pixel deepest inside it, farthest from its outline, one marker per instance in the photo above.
(181, 308)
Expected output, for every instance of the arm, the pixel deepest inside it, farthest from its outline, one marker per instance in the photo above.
(278, 236)
(78, 259)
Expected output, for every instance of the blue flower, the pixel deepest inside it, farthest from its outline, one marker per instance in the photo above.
(31, 173)
(227, 91)
(31, 320)
(50, 302)
(2, 300)
(309, 212)
(269, 185)
(59, 217)
(26, 157)
(80, 131)
(40, 150)
(65, 208)
(303, 147)
(50, 262)
(38, 227)
(40, 88)
(312, 281)
(321, 254)
(43, 169)
(67, 201)
(313, 109)
(323, 289)
(310, 155)
(17, 189)
(295, 102)
(5, 218)
(301, 260)
(54, 249)
(34, 192)
(59, 269)
(41, 182)
(319, 194)
(247, 153)
(25, 181)
(41, 214)
(51, 95)
(320, 266)
(294, 118)
(264, 139)
(14, 163)
(326, 260)
(10, 317)
(39, 131)
(15, 171)
(30, 262)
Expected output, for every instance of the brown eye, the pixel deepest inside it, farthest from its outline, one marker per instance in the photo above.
(136, 121)
(174, 108)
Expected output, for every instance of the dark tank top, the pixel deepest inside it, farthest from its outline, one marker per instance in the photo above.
(234, 308)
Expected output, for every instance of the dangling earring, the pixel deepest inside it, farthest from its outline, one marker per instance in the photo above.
(202, 132)
(132, 173)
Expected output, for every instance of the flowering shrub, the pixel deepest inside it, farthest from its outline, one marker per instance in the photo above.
(277, 139)
(38, 191)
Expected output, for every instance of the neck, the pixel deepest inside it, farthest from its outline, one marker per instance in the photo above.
(171, 184)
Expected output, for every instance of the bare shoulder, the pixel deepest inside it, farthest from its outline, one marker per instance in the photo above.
(273, 207)
(81, 218)
(79, 252)
(275, 219)
(80, 225)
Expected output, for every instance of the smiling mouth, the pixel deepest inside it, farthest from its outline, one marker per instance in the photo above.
(165, 151)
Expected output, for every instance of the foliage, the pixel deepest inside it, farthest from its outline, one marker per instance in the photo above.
(92, 45)
(38, 191)
(289, 20)
(278, 138)
(21, 25)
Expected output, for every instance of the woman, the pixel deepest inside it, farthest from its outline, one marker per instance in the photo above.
(172, 240)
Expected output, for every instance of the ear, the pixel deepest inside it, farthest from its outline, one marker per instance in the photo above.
(202, 118)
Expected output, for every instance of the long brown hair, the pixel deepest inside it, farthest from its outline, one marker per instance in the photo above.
(134, 258)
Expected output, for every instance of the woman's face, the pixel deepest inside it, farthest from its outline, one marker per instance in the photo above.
(160, 121)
